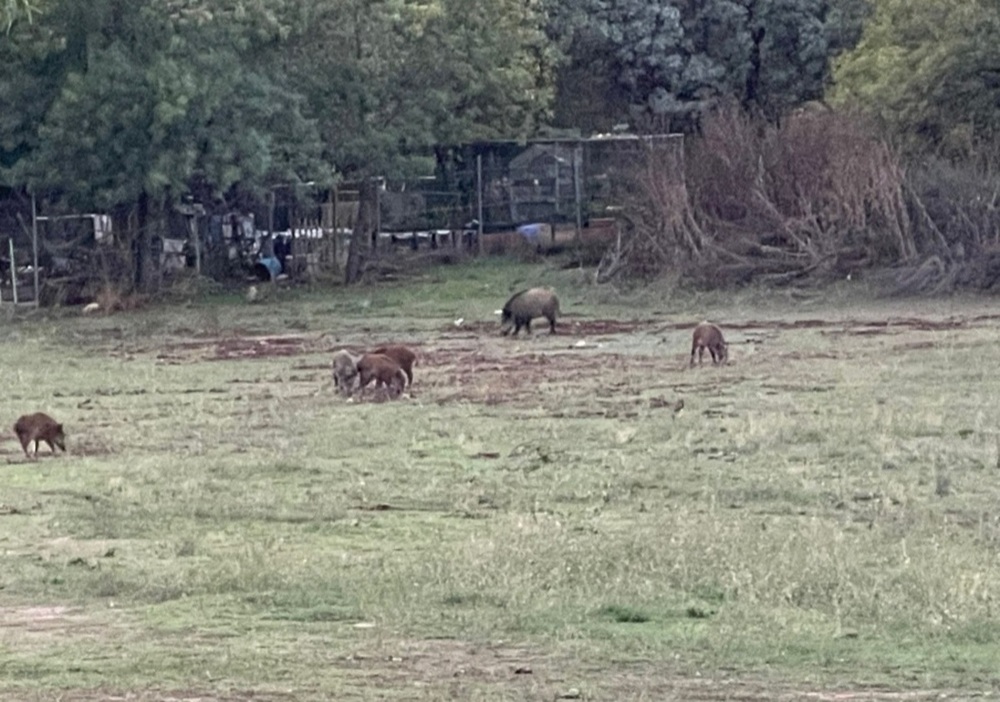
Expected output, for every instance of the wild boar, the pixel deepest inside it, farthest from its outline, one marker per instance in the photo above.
(39, 427)
(709, 336)
(384, 371)
(345, 370)
(401, 355)
(527, 305)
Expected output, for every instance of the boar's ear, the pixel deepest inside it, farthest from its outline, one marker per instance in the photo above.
(59, 427)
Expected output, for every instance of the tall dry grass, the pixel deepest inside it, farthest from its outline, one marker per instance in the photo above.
(819, 191)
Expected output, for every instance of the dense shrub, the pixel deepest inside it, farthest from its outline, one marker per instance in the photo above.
(817, 193)
(816, 196)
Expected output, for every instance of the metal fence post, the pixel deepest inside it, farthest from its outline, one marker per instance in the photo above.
(34, 244)
(479, 204)
(13, 272)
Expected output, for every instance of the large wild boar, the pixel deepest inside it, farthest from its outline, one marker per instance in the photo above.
(39, 427)
(384, 371)
(401, 355)
(526, 306)
(709, 336)
(345, 370)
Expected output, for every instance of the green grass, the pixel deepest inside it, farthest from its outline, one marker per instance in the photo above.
(823, 513)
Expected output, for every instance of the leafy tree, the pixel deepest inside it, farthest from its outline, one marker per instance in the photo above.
(121, 104)
(845, 21)
(30, 64)
(160, 97)
(790, 38)
(673, 58)
(143, 98)
(930, 71)
(388, 79)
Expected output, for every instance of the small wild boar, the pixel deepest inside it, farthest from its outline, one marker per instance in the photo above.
(527, 305)
(39, 427)
(384, 371)
(401, 355)
(709, 336)
(345, 370)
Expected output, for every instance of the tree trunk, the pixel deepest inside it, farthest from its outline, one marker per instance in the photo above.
(364, 228)
(751, 93)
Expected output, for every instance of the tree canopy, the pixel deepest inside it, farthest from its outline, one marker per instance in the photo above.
(122, 98)
(670, 59)
(388, 79)
(930, 71)
(113, 99)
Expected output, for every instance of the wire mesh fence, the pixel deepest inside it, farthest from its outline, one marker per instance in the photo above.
(481, 197)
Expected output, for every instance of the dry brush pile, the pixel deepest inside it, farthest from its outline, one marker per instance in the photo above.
(818, 195)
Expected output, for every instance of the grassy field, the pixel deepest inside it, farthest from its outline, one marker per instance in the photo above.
(535, 521)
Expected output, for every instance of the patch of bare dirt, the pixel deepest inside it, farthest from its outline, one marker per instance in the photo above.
(807, 355)
(895, 324)
(524, 684)
(235, 346)
(564, 327)
(471, 363)
(37, 617)
(597, 327)
(913, 346)
(240, 348)
(861, 331)
(43, 622)
(103, 694)
(850, 326)
(454, 669)
(595, 381)
(491, 378)
(91, 447)
(17, 456)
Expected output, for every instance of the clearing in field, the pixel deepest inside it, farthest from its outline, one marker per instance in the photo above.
(568, 516)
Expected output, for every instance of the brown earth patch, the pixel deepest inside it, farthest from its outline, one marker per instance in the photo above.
(90, 447)
(38, 617)
(266, 347)
(19, 457)
(523, 681)
(235, 346)
(564, 327)
(472, 363)
(454, 669)
(103, 694)
(849, 326)
(597, 327)
(488, 374)
(913, 346)
(491, 379)
(526, 685)
(861, 331)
